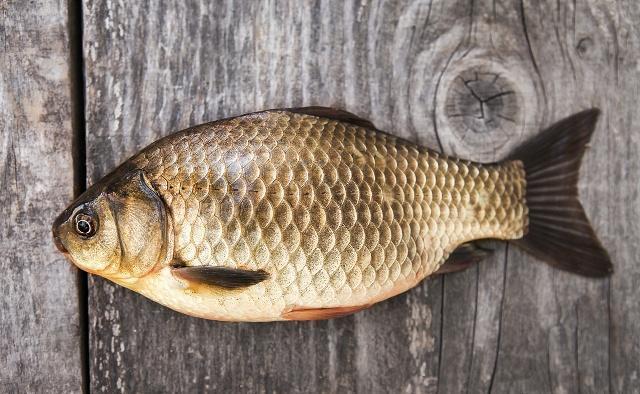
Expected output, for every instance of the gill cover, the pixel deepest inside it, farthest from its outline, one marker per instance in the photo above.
(142, 222)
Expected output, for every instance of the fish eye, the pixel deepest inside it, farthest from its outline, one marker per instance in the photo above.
(85, 225)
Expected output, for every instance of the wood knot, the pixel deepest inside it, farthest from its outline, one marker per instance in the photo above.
(584, 46)
(480, 109)
(481, 101)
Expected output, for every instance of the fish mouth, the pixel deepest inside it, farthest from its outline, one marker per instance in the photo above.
(56, 237)
(58, 242)
(57, 224)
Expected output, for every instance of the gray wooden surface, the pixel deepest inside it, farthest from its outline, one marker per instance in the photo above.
(40, 346)
(473, 78)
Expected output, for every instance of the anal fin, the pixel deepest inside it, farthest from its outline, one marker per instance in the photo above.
(464, 257)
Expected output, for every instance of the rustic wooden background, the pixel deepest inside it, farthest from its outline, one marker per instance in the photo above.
(85, 84)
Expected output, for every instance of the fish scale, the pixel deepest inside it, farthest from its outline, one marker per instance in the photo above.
(337, 214)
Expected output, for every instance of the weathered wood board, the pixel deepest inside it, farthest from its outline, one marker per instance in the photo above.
(473, 78)
(40, 347)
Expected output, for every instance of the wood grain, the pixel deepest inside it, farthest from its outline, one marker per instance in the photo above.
(423, 70)
(40, 342)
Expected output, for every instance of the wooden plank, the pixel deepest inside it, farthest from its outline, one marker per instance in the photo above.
(493, 57)
(557, 332)
(563, 319)
(218, 60)
(510, 324)
(615, 195)
(40, 344)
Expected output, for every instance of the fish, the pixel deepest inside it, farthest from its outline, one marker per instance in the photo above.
(313, 213)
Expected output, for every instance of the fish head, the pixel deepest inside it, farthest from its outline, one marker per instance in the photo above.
(118, 229)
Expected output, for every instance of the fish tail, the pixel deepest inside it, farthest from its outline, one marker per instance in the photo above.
(559, 232)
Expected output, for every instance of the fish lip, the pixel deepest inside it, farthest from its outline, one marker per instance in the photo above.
(54, 231)
(58, 242)
(62, 218)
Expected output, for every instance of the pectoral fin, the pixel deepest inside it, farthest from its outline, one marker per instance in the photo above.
(464, 257)
(321, 313)
(227, 278)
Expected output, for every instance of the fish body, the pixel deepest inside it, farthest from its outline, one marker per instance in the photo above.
(288, 214)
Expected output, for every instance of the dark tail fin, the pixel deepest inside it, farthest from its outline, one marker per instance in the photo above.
(559, 232)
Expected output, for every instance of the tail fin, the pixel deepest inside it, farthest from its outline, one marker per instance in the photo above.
(559, 232)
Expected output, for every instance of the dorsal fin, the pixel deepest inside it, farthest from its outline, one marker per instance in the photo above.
(335, 114)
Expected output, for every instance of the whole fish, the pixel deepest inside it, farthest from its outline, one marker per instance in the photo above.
(313, 213)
